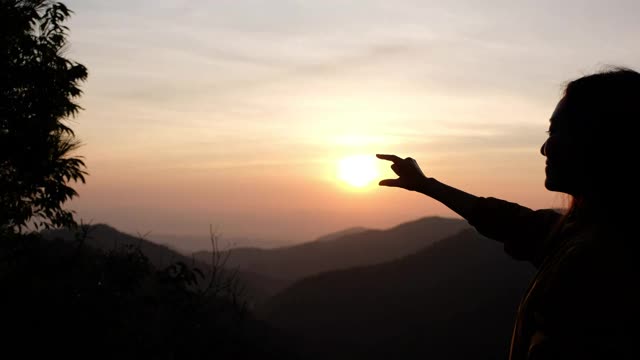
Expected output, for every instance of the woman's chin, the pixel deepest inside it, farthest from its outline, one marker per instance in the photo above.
(551, 184)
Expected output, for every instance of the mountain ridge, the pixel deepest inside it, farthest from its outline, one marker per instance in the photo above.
(361, 248)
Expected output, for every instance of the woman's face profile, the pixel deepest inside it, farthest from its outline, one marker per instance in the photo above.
(563, 161)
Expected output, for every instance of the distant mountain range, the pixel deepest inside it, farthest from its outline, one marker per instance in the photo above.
(431, 288)
(349, 248)
(101, 236)
(455, 299)
(189, 244)
(268, 271)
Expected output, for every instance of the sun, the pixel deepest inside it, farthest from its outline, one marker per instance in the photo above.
(358, 170)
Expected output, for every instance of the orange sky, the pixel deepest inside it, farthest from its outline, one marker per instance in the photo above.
(236, 113)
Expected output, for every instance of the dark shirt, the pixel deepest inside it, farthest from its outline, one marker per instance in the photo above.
(582, 303)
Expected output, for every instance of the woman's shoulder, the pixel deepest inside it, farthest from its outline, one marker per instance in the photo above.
(613, 244)
(592, 284)
(598, 259)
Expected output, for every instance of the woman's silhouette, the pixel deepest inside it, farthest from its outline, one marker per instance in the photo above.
(582, 303)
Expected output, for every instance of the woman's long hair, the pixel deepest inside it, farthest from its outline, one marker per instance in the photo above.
(604, 110)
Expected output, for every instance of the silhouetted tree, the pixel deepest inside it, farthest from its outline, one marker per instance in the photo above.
(38, 86)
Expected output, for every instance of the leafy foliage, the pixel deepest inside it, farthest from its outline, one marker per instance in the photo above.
(38, 89)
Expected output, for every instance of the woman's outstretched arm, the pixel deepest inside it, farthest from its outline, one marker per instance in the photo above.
(523, 231)
(411, 177)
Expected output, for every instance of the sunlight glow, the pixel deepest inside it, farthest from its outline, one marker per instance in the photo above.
(358, 170)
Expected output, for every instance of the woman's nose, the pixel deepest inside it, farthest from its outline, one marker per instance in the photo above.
(543, 149)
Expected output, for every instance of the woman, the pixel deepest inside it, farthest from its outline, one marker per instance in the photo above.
(582, 303)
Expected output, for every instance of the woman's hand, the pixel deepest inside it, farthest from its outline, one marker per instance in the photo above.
(410, 176)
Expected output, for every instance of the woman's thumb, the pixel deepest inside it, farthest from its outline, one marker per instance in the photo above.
(389, 182)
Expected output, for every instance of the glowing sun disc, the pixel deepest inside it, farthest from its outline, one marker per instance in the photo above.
(358, 170)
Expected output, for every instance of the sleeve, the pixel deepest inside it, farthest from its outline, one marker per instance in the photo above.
(523, 231)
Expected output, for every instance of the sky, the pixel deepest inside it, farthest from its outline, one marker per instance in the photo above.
(236, 114)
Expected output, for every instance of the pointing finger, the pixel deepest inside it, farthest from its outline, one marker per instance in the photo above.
(393, 158)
